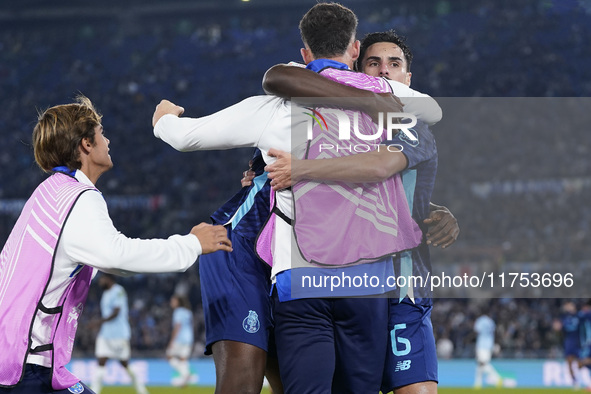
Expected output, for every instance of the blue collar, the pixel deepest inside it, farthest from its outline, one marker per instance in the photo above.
(64, 169)
(320, 64)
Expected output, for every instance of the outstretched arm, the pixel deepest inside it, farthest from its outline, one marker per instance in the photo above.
(234, 127)
(374, 166)
(291, 82)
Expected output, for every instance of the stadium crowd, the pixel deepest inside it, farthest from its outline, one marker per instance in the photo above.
(519, 193)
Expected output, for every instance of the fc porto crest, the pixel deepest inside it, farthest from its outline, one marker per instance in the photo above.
(404, 137)
(251, 322)
(76, 389)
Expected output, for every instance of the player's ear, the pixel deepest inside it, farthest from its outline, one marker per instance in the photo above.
(407, 79)
(355, 49)
(85, 146)
(306, 55)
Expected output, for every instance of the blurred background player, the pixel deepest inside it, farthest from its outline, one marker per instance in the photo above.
(485, 328)
(569, 328)
(181, 340)
(113, 340)
(585, 336)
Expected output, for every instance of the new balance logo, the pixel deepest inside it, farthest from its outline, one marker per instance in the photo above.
(402, 365)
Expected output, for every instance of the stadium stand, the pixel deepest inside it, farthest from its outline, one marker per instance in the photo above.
(513, 202)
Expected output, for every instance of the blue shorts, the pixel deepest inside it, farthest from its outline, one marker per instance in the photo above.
(411, 357)
(572, 347)
(37, 379)
(329, 345)
(584, 352)
(235, 294)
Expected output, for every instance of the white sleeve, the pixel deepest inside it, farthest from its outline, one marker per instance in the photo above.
(423, 106)
(240, 125)
(89, 237)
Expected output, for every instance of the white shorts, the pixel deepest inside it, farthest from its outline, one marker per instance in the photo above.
(116, 348)
(483, 355)
(179, 350)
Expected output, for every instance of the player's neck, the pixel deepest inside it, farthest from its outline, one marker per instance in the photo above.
(343, 59)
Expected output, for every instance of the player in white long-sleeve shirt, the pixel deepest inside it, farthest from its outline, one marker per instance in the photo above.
(69, 143)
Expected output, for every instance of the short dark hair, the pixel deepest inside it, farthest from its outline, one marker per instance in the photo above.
(384, 36)
(327, 29)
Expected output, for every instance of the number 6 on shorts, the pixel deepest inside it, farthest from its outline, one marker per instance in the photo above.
(401, 340)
